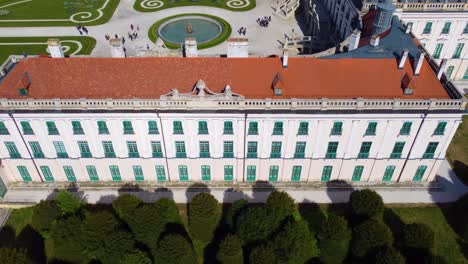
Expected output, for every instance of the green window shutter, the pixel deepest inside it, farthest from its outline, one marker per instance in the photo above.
(183, 173)
(153, 128)
(371, 128)
(26, 127)
(3, 129)
(52, 128)
(465, 30)
(206, 173)
(60, 150)
(420, 173)
(337, 128)
(132, 149)
(406, 128)
(465, 75)
(303, 128)
(202, 128)
(440, 129)
(331, 150)
(253, 128)
(278, 128)
(228, 149)
(449, 71)
(204, 149)
(69, 173)
(127, 128)
(84, 149)
(177, 128)
(430, 150)
(228, 128)
(228, 173)
(102, 128)
(458, 51)
(108, 149)
(357, 173)
(36, 149)
(427, 28)
(446, 28)
(156, 149)
(409, 25)
(275, 149)
(24, 173)
(252, 149)
(92, 173)
(160, 173)
(273, 176)
(397, 150)
(388, 174)
(299, 153)
(251, 173)
(438, 50)
(138, 173)
(296, 173)
(364, 151)
(77, 128)
(326, 173)
(115, 172)
(180, 149)
(48, 177)
(12, 150)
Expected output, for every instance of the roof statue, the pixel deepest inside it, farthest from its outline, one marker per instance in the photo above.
(201, 92)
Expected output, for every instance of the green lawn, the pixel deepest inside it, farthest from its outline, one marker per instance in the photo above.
(156, 5)
(59, 10)
(7, 50)
(457, 153)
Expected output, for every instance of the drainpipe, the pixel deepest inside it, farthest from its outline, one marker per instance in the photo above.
(164, 145)
(245, 147)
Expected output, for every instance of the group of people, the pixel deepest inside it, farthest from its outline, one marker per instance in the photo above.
(263, 22)
(242, 31)
(133, 34)
(82, 29)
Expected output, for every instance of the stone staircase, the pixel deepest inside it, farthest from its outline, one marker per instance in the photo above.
(285, 9)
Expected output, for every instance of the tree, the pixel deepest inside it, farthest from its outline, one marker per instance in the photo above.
(254, 224)
(14, 256)
(230, 250)
(417, 236)
(66, 237)
(174, 249)
(389, 255)
(67, 203)
(125, 206)
(135, 257)
(280, 205)
(333, 239)
(44, 215)
(116, 245)
(315, 218)
(233, 212)
(369, 236)
(366, 204)
(263, 254)
(203, 216)
(97, 227)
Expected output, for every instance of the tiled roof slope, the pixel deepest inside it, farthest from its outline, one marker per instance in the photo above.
(149, 78)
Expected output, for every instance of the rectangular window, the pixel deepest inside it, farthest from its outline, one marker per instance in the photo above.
(228, 172)
(132, 149)
(108, 149)
(299, 152)
(115, 172)
(337, 128)
(69, 173)
(204, 149)
(180, 149)
(357, 173)
(206, 173)
(77, 128)
(3, 129)
(446, 28)
(397, 150)
(296, 173)
(251, 149)
(331, 150)
(102, 128)
(228, 149)
(465, 30)
(273, 176)
(406, 128)
(183, 173)
(60, 149)
(138, 173)
(51, 128)
(251, 173)
(440, 129)
(36, 149)
(465, 75)
(388, 174)
(371, 128)
(458, 51)
(448, 72)
(202, 128)
(156, 149)
(275, 149)
(427, 28)
(326, 173)
(26, 127)
(84, 149)
(303, 128)
(278, 128)
(227, 128)
(153, 128)
(418, 176)
(177, 128)
(24, 173)
(438, 50)
(160, 173)
(430, 150)
(253, 128)
(92, 173)
(12, 150)
(127, 128)
(47, 173)
(364, 151)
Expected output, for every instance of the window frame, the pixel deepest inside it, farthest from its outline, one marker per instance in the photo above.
(69, 173)
(177, 127)
(153, 127)
(228, 128)
(3, 129)
(52, 129)
(108, 147)
(388, 173)
(83, 146)
(204, 147)
(36, 149)
(326, 173)
(115, 173)
(228, 145)
(276, 149)
(300, 145)
(47, 173)
(183, 172)
(252, 145)
(371, 129)
(228, 172)
(77, 128)
(127, 127)
(60, 149)
(303, 128)
(203, 127)
(273, 172)
(296, 173)
(337, 128)
(440, 129)
(253, 128)
(26, 128)
(92, 173)
(180, 149)
(332, 145)
(102, 127)
(395, 153)
(160, 172)
(430, 150)
(132, 148)
(365, 150)
(251, 173)
(357, 173)
(24, 173)
(206, 172)
(156, 145)
(138, 173)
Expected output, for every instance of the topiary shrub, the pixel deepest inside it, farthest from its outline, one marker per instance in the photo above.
(417, 236)
(263, 254)
(230, 250)
(116, 245)
(280, 205)
(65, 240)
(389, 255)
(366, 204)
(174, 249)
(125, 206)
(14, 256)
(135, 257)
(97, 227)
(254, 225)
(204, 214)
(68, 203)
(370, 236)
(44, 215)
(233, 212)
(333, 239)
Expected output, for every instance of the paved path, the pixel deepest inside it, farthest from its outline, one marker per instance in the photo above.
(262, 41)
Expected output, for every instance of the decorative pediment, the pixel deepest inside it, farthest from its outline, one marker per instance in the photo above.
(201, 92)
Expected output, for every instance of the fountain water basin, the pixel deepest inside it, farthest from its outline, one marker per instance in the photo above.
(203, 29)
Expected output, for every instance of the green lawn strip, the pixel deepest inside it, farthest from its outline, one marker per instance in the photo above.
(19, 219)
(153, 34)
(457, 153)
(178, 3)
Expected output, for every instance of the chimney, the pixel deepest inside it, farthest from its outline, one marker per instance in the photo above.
(191, 47)
(285, 58)
(117, 48)
(403, 58)
(238, 48)
(418, 63)
(441, 70)
(408, 28)
(375, 40)
(55, 49)
(354, 40)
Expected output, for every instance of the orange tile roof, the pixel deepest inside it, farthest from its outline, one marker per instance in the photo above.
(149, 78)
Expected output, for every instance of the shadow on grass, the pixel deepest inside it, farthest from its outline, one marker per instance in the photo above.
(461, 169)
(28, 239)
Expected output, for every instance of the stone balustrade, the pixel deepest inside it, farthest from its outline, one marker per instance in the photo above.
(426, 6)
